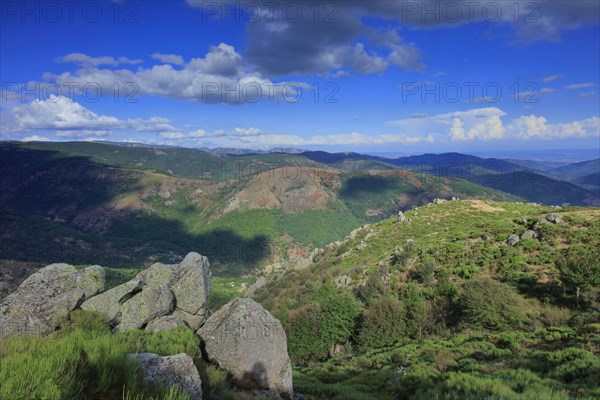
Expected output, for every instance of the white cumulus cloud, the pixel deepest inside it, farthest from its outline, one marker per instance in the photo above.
(68, 118)
(168, 58)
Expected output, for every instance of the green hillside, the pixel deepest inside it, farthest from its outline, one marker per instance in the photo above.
(434, 310)
(74, 201)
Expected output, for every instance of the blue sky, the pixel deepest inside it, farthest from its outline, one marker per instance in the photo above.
(378, 76)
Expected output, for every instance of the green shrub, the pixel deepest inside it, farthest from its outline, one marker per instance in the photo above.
(492, 305)
(303, 333)
(424, 271)
(373, 289)
(315, 328)
(383, 324)
(579, 269)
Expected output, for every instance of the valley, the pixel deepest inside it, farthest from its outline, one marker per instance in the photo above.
(371, 272)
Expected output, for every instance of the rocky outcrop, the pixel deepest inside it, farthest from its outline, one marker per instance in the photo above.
(48, 296)
(152, 302)
(178, 370)
(249, 343)
(180, 290)
(513, 240)
(242, 337)
(401, 217)
(554, 218)
(529, 234)
(164, 323)
(342, 281)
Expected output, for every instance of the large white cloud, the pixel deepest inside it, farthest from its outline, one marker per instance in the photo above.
(67, 118)
(219, 77)
(487, 124)
(537, 127)
(70, 119)
(482, 123)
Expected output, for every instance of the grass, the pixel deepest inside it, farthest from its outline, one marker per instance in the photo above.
(225, 289)
(85, 360)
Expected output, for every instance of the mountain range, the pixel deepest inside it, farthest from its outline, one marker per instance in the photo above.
(79, 201)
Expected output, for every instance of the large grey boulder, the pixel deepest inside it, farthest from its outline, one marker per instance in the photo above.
(109, 303)
(191, 283)
(47, 296)
(249, 343)
(529, 234)
(164, 323)
(180, 290)
(194, 321)
(178, 370)
(513, 240)
(152, 302)
(157, 274)
(554, 218)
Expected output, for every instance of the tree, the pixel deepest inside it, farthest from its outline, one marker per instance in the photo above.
(314, 329)
(373, 289)
(491, 304)
(383, 324)
(579, 269)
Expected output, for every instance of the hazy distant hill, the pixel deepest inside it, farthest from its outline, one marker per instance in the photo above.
(585, 174)
(576, 170)
(513, 177)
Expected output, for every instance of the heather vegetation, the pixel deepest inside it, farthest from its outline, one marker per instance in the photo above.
(447, 309)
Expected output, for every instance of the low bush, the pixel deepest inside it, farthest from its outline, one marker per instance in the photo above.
(383, 324)
(491, 304)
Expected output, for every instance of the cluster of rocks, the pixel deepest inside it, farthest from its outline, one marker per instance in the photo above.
(532, 234)
(403, 219)
(158, 298)
(242, 337)
(342, 281)
(554, 218)
(45, 298)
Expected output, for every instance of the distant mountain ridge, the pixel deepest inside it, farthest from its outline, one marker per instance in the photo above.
(84, 197)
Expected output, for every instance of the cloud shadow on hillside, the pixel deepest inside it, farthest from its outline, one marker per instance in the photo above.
(43, 192)
(357, 185)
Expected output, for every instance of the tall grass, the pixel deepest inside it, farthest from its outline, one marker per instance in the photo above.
(84, 360)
